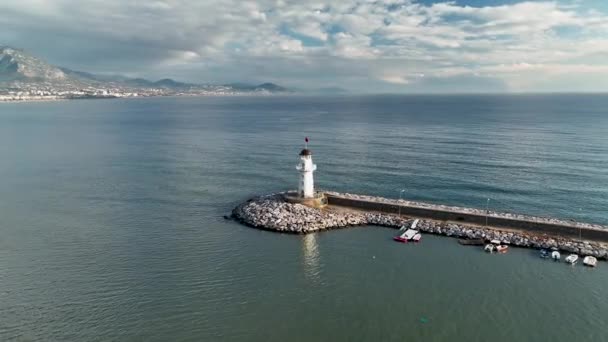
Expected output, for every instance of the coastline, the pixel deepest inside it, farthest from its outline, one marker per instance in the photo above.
(272, 212)
(70, 98)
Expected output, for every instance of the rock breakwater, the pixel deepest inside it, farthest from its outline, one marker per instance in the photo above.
(272, 212)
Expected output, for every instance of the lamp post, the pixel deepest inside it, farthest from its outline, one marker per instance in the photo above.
(487, 210)
(399, 204)
(580, 229)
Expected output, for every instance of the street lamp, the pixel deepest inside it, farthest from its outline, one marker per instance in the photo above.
(580, 229)
(399, 204)
(487, 210)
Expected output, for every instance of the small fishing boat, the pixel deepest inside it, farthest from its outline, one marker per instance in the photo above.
(572, 259)
(502, 248)
(412, 226)
(409, 234)
(417, 237)
(555, 255)
(415, 224)
(399, 238)
(496, 246)
(590, 261)
(544, 253)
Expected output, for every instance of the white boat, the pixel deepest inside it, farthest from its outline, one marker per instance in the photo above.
(417, 237)
(502, 248)
(572, 259)
(590, 261)
(555, 255)
(496, 246)
(415, 224)
(409, 234)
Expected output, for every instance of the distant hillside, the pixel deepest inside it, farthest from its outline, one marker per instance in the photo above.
(22, 71)
(15, 64)
(252, 87)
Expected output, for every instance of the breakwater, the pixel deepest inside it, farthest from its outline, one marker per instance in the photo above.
(272, 212)
(542, 225)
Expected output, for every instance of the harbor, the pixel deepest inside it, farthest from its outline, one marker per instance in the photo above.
(274, 213)
(308, 211)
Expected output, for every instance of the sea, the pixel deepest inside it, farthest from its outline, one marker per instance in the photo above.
(112, 228)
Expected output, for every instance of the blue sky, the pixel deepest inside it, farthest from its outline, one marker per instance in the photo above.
(400, 46)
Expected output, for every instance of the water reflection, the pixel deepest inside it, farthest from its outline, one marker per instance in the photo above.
(310, 250)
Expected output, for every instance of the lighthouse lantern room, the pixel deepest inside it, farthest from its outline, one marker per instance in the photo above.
(306, 188)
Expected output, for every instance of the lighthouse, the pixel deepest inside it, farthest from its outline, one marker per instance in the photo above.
(306, 187)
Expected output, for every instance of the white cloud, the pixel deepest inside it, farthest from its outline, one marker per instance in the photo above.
(391, 41)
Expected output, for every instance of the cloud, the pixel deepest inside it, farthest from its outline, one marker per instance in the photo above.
(394, 45)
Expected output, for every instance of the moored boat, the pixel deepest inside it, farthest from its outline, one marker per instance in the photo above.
(590, 261)
(496, 246)
(572, 259)
(544, 253)
(415, 224)
(502, 248)
(555, 255)
(408, 235)
(399, 238)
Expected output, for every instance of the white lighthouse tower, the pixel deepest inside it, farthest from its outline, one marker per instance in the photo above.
(306, 188)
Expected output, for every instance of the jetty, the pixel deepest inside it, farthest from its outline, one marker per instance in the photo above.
(275, 212)
(307, 211)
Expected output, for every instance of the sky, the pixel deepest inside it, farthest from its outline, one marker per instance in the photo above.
(392, 46)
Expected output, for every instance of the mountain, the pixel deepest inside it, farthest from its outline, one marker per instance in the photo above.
(271, 87)
(15, 64)
(169, 83)
(24, 75)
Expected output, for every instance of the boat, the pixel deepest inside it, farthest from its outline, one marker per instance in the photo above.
(415, 224)
(590, 261)
(408, 235)
(555, 255)
(471, 242)
(417, 237)
(496, 246)
(412, 226)
(572, 259)
(399, 238)
(502, 248)
(544, 253)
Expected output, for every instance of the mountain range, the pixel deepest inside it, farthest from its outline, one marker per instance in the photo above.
(21, 71)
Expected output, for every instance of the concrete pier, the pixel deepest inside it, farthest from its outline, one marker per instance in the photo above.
(274, 212)
(579, 230)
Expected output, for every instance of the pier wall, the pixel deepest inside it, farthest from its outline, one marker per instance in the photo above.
(473, 216)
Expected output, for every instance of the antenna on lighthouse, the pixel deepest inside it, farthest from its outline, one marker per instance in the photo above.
(306, 142)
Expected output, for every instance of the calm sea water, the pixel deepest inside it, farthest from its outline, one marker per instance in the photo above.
(111, 228)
